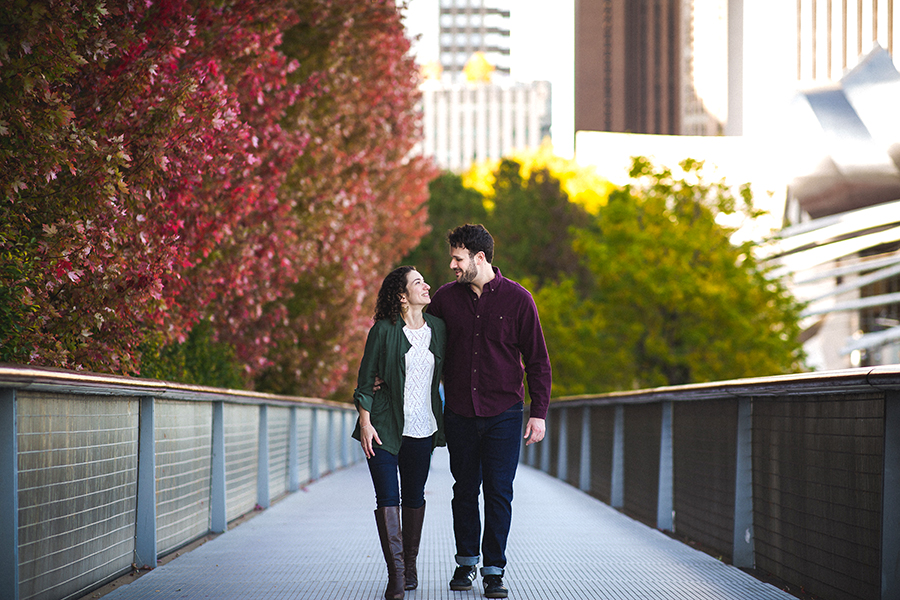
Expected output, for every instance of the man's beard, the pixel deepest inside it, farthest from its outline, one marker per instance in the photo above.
(469, 275)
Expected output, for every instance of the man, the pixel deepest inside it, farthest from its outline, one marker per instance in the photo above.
(494, 338)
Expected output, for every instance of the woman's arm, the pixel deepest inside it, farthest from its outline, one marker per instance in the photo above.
(364, 393)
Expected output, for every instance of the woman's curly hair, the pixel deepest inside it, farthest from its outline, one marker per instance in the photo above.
(388, 304)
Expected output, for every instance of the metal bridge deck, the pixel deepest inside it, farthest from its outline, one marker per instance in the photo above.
(321, 544)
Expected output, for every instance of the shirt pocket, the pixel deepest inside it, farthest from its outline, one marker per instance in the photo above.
(502, 328)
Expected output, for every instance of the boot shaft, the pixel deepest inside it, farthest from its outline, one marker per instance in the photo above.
(387, 519)
(412, 534)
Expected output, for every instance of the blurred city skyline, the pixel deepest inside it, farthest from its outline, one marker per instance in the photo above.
(542, 48)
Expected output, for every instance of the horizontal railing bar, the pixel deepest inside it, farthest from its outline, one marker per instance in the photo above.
(862, 379)
(66, 382)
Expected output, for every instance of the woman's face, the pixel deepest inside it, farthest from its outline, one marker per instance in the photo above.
(417, 290)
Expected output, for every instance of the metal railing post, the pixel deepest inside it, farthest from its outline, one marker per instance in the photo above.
(890, 516)
(262, 487)
(562, 445)
(664, 504)
(743, 549)
(584, 464)
(218, 520)
(530, 458)
(293, 452)
(329, 443)
(314, 445)
(344, 441)
(145, 547)
(545, 447)
(617, 489)
(9, 496)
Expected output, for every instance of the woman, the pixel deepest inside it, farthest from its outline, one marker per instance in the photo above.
(401, 423)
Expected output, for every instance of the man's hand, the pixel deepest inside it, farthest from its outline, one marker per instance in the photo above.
(378, 382)
(534, 431)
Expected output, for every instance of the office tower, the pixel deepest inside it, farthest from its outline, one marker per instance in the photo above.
(470, 26)
(636, 66)
(627, 67)
(472, 110)
(472, 122)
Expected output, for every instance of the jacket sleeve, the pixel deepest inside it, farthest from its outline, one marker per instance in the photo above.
(363, 395)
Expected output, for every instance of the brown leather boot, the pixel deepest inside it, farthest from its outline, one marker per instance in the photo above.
(412, 533)
(388, 521)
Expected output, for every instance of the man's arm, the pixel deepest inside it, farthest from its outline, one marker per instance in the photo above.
(537, 366)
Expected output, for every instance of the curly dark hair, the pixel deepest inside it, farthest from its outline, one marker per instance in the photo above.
(474, 238)
(388, 304)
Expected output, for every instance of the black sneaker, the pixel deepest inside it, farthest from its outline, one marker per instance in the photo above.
(463, 578)
(493, 587)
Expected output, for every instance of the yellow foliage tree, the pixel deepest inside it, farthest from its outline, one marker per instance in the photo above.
(582, 184)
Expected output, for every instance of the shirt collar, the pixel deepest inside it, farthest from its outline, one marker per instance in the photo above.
(493, 283)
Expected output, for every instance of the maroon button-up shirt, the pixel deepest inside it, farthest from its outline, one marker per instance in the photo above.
(493, 341)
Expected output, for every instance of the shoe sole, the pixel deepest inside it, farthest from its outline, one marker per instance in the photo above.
(460, 588)
(497, 595)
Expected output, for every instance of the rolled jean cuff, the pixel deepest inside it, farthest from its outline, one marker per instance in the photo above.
(466, 561)
(491, 571)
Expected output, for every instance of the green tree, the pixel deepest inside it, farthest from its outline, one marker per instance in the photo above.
(200, 360)
(450, 204)
(640, 287)
(583, 352)
(537, 222)
(674, 300)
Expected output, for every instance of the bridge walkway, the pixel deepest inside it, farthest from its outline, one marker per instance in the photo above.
(321, 544)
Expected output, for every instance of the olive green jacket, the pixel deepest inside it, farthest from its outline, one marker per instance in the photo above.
(385, 357)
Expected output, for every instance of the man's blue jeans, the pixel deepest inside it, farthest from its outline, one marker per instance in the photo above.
(484, 451)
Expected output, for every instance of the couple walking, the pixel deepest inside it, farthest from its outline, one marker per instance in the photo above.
(481, 333)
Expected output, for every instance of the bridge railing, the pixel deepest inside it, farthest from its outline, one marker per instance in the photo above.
(797, 476)
(100, 473)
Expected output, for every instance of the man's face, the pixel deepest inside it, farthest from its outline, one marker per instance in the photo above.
(463, 264)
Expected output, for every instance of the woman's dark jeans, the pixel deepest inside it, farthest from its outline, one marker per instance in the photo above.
(484, 451)
(413, 462)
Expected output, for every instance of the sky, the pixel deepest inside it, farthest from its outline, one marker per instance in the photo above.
(542, 48)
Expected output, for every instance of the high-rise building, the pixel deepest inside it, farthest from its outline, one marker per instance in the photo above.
(470, 26)
(472, 110)
(635, 66)
(471, 122)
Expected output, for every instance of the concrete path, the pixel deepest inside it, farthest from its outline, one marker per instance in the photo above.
(321, 544)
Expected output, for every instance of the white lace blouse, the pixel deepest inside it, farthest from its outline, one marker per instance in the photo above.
(418, 419)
